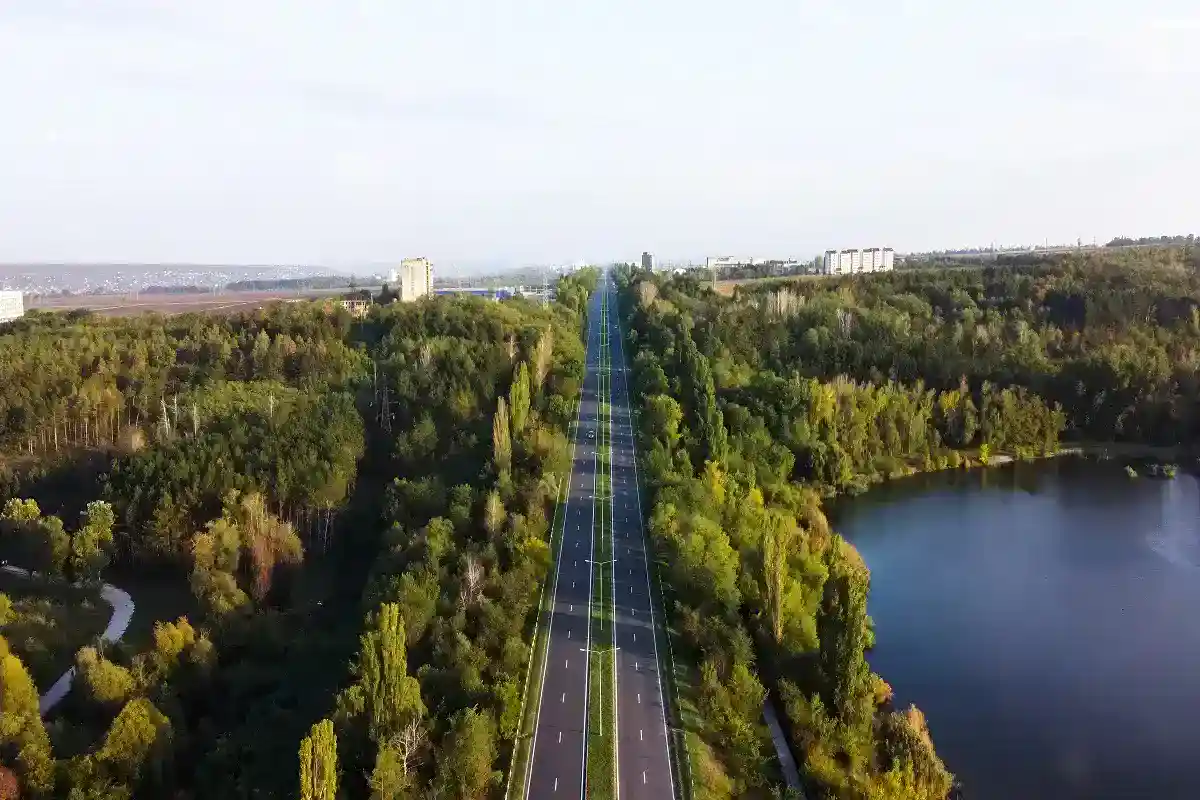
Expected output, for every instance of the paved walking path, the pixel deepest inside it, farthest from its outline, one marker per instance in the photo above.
(790, 773)
(122, 606)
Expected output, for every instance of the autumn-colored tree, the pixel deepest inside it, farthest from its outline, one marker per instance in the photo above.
(21, 728)
(138, 743)
(9, 788)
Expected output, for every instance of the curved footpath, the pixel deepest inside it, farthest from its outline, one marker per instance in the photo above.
(122, 606)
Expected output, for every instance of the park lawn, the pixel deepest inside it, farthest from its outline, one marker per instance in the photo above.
(51, 621)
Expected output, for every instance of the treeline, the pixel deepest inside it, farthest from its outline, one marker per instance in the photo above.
(223, 450)
(489, 391)
(1111, 339)
(755, 405)
(766, 598)
(235, 465)
(1180, 240)
(84, 381)
(298, 448)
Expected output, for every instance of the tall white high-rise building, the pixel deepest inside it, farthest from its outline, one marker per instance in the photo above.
(12, 306)
(853, 262)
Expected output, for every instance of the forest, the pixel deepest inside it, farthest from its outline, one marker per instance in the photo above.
(289, 471)
(755, 408)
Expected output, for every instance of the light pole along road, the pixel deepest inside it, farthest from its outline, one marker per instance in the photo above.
(557, 767)
(644, 758)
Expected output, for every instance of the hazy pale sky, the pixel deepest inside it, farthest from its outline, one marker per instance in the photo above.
(553, 130)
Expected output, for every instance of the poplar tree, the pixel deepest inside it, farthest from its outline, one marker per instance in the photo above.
(543, 355)
(319, 763)
(392, 697)
(501, 440)
(842, 628)
(518, 400)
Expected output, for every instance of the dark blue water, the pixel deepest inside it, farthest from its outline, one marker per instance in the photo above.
(1047, 620)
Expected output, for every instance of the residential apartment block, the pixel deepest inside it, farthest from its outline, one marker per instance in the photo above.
(853, 262)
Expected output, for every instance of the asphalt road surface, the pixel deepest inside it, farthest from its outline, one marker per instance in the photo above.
(559, 754)
(644, 765)
(558, 739)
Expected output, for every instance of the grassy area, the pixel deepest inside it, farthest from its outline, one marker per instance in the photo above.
(51, 621)
(602, 727)
(157, 598)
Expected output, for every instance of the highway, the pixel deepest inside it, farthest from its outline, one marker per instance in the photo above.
(557, 768)
(560, 734)
(643, 757)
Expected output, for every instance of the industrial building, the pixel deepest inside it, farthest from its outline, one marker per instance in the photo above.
(12, 306)
(413, 280)
(853, 262)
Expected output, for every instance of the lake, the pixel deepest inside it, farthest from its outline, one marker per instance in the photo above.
(1045, 618)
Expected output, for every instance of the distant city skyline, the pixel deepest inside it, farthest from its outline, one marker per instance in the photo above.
(320, 132)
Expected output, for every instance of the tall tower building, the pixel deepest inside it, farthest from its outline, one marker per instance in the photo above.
(415, 279)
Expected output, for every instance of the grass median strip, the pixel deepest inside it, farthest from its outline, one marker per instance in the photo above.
(602, 728)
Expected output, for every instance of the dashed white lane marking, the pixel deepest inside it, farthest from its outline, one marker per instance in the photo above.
(559, 738)
(556, 779)
(639, 698)
(641, 738)
(566, 663)
(643, 777)
(572, 606)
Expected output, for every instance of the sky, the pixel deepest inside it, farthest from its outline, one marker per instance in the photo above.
(550, 131)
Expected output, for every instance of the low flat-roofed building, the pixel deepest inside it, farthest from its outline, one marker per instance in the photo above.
(12, 305)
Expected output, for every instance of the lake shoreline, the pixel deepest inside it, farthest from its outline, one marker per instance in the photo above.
(999, 560)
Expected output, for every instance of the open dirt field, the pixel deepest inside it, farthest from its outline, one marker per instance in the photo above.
(128, 304)
(727, 287)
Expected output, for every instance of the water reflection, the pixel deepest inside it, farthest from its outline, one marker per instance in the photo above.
(1041, 615)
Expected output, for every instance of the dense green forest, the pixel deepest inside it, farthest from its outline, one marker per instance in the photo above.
(754, 407)
(292, 470)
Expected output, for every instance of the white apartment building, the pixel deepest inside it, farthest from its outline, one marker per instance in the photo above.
(853, 262)
(413, 280)
(12, 306)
